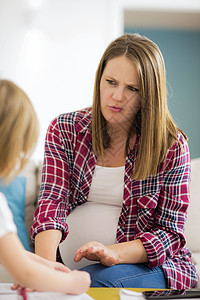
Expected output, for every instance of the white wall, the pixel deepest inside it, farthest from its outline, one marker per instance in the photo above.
(51, 48)
(52, 51)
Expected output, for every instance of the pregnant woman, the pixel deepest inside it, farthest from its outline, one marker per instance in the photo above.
(115, 179)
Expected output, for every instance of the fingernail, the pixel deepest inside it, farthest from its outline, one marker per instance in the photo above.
(80, 251)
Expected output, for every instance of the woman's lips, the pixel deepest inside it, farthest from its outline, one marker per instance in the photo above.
(115, 108)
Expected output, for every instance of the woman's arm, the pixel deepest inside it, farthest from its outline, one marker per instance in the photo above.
(46, 243)
(166, 238)
(53, 205)
(132, 252)
(31, 273)
(129, 252)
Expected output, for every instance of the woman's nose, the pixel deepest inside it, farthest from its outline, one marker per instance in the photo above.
(119, 94)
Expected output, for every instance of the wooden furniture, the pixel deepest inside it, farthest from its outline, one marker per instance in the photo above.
(108, 293)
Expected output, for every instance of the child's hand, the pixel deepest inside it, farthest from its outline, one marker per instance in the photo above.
(50, 264)
(83, 280)
(17, 286)
(57, 266)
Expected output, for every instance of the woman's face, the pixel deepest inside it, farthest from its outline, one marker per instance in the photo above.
(120, 92)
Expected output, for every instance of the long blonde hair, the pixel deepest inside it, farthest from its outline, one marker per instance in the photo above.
(153, 122)
(18, 128)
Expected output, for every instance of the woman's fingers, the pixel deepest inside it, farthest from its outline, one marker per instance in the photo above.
(89, 251)
(97, 252)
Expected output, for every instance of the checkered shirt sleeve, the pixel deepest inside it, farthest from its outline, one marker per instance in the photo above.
(166, 239)
(53, 205)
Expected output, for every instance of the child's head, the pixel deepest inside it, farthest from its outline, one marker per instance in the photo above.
(18, 128)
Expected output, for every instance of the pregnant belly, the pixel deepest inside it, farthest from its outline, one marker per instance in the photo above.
(89, 222)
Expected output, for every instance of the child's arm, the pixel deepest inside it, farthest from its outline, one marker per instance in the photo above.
(51, 264)
(31, 271)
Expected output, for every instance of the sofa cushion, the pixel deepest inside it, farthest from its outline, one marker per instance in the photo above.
(193, 220)
(30, 172)
(15, 195)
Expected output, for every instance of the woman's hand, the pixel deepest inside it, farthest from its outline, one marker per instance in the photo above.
(97, 252)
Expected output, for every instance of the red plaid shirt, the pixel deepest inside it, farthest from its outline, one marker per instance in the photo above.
(153, 210)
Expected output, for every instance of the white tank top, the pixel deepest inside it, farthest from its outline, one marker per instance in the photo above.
(6, 218)
(97, 219)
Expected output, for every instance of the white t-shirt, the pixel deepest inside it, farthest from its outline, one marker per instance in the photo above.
(97, 219)
(6, 218)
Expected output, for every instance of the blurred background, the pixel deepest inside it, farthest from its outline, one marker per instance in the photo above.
(51, 49)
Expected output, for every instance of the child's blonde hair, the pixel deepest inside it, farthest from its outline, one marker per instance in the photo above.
(18, 128)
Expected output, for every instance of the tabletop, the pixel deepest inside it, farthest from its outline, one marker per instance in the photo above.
(109, 293)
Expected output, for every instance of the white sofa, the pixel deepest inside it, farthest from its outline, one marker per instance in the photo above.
(193, 220)
(33, 174)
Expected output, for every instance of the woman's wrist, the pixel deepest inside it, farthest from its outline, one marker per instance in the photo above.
(130, 252)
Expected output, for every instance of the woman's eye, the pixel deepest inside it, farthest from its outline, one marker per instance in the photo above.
(111, 82)
(132, 88)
